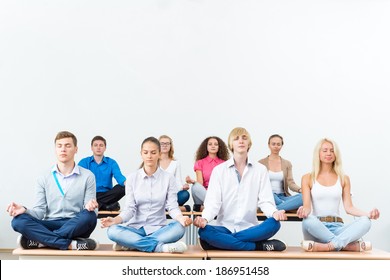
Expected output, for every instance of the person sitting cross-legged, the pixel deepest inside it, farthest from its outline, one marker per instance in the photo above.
(65, 213)
(142, 224)
(237, 188)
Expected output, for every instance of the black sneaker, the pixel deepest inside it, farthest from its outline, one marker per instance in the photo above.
(271, 245)
(113, 207)
(86, 244)
(197, 207)
(25, 243)
(206, 246)
(187, 207)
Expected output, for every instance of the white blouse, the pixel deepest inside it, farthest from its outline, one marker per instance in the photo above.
(175, 170)
(147, 197)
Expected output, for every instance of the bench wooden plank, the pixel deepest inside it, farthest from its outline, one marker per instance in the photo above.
(291, 217)
(295, 252)
(105, 251)
(195, 252)
(103, 214)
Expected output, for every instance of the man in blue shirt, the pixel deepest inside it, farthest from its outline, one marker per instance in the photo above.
(105, 169)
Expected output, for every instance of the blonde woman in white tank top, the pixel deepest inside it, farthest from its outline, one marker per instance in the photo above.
(323, 189)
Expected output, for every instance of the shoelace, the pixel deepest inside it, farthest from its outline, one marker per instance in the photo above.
(32, 243)
(121, 248)
(82, 246)
(172, 248)
(175, 248)
(269, 247)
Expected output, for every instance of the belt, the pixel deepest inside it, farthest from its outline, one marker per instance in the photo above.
(331, 219)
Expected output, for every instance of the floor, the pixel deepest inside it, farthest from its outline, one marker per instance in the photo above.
(7, 255)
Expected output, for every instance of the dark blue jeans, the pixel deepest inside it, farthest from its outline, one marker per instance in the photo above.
(182, 197)
(244, 240)
(56, 233)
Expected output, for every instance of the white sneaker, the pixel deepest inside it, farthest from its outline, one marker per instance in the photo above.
(117, 247)
(177, 247)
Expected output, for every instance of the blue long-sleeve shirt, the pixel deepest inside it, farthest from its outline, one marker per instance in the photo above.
(104, 172)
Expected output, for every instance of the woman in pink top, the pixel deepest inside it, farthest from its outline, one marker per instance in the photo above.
(211, 152)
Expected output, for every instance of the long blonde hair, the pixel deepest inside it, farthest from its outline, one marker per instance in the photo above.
(337, 164)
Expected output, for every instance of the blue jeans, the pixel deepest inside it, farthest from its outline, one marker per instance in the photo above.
(198, 193)
(137, 238)
(182, 197)
(288, 203)
(337, 233)
(56, 233)
(244, 240)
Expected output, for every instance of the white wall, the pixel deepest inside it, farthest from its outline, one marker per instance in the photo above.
(190, 69)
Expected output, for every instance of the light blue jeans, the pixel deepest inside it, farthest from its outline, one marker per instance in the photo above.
(337, 233)
(198, 193)
(138, 239)
(288, 203)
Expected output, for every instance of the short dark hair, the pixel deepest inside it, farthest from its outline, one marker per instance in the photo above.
(66, 134)
(98, 137)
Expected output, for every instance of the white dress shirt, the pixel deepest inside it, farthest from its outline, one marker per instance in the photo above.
(147, 197)
(235, 201)
(175, 170)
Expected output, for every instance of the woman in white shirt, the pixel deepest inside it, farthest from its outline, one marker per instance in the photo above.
(142, 224)
(322, 190)
(172, 165)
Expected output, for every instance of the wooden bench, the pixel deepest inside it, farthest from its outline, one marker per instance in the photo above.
(195, 252)
(295, 252)
(106, 252)
(291, 216)
(103, 214)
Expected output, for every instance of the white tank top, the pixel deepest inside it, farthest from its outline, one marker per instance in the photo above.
(326, 200)
(276, 179)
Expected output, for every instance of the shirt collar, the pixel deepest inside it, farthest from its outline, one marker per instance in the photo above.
(92, 158)
(76, 170)
(154, 175)
(210, 160)
(230, 162)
